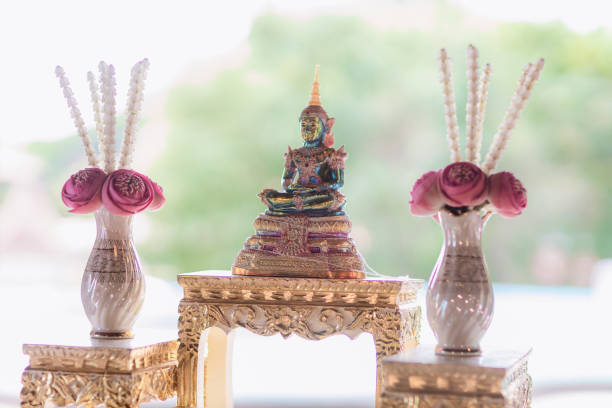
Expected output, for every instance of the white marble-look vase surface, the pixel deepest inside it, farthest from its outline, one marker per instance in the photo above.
(460, 296)
(113, 285)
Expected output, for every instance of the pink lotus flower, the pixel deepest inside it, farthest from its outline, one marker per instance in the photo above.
(426, 196)
(158, 197)
(81, 192)
(127, 192)
(463, 183)
(507, 194)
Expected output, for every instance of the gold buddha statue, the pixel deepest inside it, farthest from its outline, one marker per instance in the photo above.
(319, 168)
(304, 232)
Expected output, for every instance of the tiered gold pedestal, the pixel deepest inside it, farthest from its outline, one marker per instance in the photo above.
(300, 246)
(418, 378)
(310, 308)
(116, 373)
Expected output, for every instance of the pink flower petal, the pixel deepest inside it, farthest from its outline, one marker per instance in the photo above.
(127, 192)
(507, 194)
(463, 184)
(81, 192)
(426, 196)
(158, 197)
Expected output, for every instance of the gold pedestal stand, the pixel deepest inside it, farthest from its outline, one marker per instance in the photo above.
(418, 378)
(299, 246)
(116, 373)
(310, 308)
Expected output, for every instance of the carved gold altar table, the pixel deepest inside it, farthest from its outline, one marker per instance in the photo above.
(418, 378)
(310, 308)
(116, 373)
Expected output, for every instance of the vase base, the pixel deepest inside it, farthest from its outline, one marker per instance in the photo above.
(459, 352)
(103, 334)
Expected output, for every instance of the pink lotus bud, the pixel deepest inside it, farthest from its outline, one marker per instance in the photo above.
(81, 192)
(158, 197)
(127, 192)
(507, 194)
(426, 196)
(463, 183)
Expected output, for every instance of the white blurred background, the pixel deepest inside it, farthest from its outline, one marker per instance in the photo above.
(42, 253)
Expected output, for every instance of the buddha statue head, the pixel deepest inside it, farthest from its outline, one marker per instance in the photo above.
(314, 122)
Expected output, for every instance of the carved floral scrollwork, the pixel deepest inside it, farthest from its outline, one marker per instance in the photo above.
(332, 319)
(36, 389)
(313, 323)
(91, 390)
(192, 321)
(156, 384)
(284, 320)
(311, 309)
(390, 328)
(242, 315)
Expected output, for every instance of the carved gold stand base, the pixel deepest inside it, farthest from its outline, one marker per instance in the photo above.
(300, 246)
(419, 379)
(111, 372)
(215, 302)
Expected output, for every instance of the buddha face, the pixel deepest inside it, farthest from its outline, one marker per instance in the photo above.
(312, 127)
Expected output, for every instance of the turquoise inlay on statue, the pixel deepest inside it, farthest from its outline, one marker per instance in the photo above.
(313, 173)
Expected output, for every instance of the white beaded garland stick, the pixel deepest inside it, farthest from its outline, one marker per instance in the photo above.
(76, 116)
(450, 110)
(476, 106)
(134, 105)
(483, 92)
(105, 113)
(108, 88)
(512, 114)
(471, 108)
(97, 110)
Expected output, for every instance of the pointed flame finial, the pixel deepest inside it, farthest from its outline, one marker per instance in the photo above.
(315, 95)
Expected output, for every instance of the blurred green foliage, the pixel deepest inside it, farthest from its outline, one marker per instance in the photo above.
(229, 132)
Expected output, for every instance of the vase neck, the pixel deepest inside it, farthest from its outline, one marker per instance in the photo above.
(112, 226)
(461, 230)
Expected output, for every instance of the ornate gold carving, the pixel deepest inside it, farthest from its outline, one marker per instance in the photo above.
(419, 381)
(393, 331)
(471, 379)
(395, 400)
(225, 288)
(300, 246)
(100, 359)
(320, 265)
(336, 224)
(193, 319)
(90, 376)
(191, 324)
(316, 323)
(294, 236)
(338, 244)
(310, 308)
(398, 400)
(91, 390)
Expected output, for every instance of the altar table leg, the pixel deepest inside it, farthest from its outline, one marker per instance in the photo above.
(193, 320)
(393, 332)
(216, 365)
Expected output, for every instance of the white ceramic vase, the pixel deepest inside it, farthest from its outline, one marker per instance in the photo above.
(460, 295)
(113, 286)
